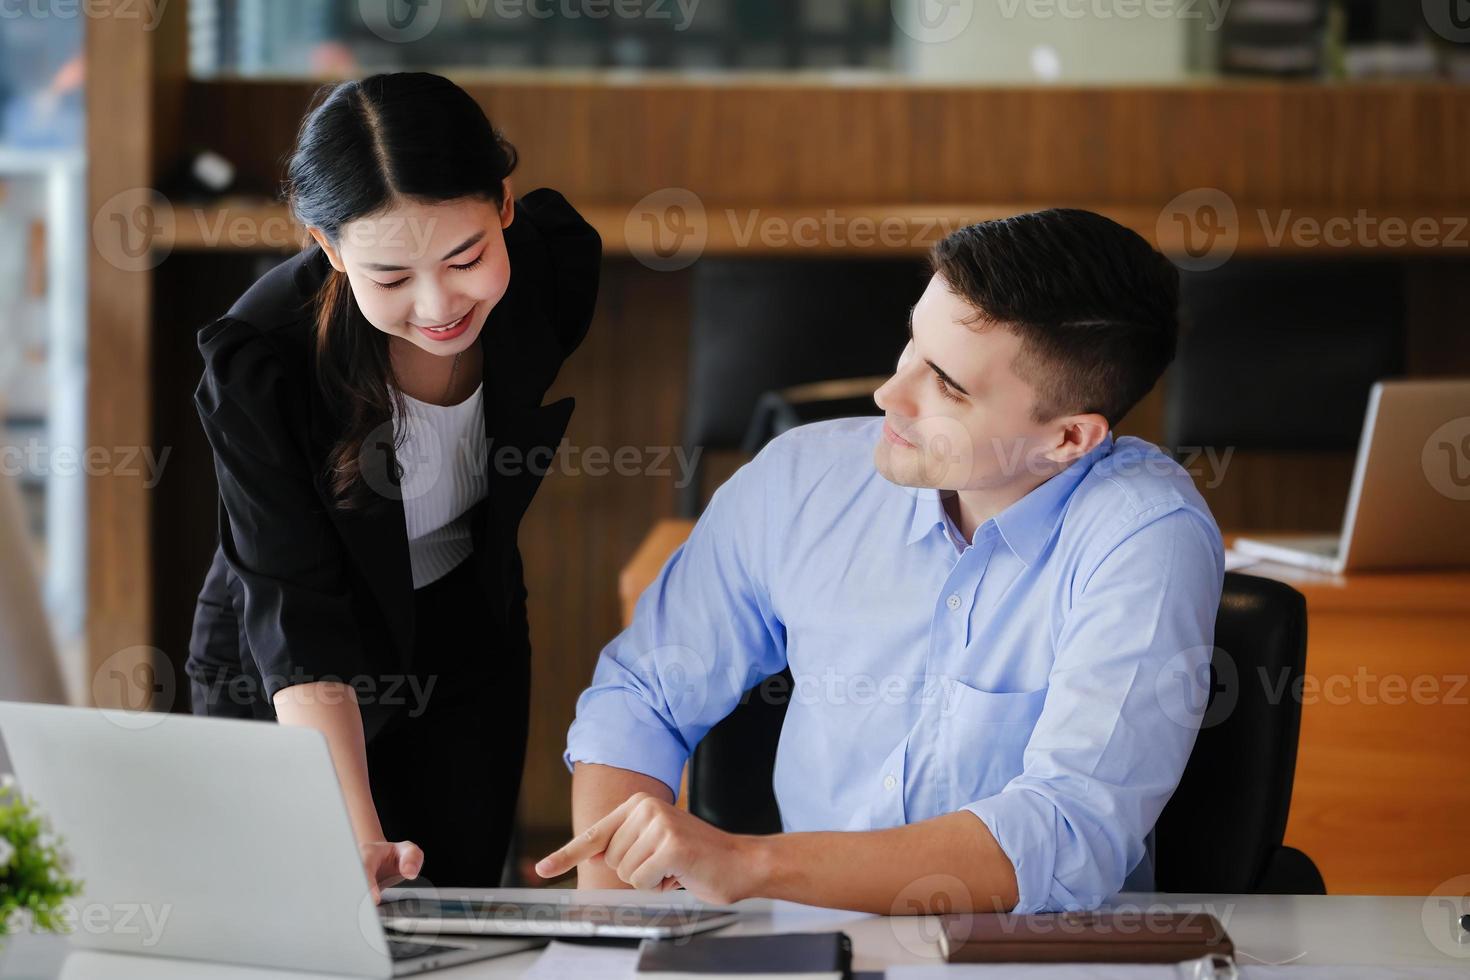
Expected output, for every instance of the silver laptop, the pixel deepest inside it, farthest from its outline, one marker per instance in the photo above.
(1409, 506)
(212, 839)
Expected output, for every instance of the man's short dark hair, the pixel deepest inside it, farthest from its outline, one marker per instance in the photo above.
(1095, 306)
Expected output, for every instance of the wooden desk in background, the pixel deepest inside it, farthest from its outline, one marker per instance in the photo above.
(1382, 789)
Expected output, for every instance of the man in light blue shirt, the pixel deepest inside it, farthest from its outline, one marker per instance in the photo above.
(997, 615)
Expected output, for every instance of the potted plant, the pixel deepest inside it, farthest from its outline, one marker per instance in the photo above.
(34, 879)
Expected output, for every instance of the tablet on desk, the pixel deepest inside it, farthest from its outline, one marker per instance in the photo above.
(488, 917)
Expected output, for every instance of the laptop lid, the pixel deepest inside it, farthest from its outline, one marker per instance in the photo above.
(1409, 506)
(201, 838)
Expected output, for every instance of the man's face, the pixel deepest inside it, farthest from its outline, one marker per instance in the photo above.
(957, 416)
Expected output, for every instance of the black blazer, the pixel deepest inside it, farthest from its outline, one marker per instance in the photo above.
(301, 590)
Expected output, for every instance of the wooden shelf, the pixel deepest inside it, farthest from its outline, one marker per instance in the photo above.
(259, 225)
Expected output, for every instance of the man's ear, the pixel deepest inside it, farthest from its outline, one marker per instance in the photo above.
(1078, 436)
(508, 208)
(332, 254)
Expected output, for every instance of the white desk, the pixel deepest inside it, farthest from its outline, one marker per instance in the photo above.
(1308, 930)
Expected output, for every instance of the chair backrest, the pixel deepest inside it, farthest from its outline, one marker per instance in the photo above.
(1228, 816)
(1281, 354)
(760, 325)
(1222, 824)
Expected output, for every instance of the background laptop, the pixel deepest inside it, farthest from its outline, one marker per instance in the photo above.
(217, 839)
(1409, 505)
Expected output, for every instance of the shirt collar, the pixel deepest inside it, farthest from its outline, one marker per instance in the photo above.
(1025, 525)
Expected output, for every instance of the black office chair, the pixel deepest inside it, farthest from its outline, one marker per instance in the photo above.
(764, 325)
(1222, 830)
(778, 411)
(1280, 354)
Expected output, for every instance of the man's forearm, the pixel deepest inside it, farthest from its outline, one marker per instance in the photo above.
(951, 863)
(596, 792)
(628, 832)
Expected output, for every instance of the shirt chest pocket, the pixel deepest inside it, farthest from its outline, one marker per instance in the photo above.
(982, 738)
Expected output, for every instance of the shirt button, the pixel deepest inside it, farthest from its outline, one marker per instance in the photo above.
(889, 782)
(953, 602)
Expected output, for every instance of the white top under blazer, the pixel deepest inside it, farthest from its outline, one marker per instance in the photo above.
(443, 455)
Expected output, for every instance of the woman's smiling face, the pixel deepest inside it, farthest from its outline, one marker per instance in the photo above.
(427, 273)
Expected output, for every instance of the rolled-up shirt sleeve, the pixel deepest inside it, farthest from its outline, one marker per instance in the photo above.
(1126, 696)
(702, 634)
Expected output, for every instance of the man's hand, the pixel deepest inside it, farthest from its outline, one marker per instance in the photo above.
(390, 862)
(654, 846)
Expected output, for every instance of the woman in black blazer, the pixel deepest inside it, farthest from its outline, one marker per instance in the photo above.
(360, 392)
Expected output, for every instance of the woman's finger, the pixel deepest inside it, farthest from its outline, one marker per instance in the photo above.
(410, 858)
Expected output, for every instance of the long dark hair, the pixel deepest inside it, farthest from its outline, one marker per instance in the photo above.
(364, 146)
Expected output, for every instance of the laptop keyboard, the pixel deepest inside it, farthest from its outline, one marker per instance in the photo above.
(408, 949)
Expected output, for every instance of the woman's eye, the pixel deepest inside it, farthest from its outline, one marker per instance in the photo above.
(463, 268)
(944, 389)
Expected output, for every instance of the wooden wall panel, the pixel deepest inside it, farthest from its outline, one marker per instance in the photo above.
(134, 91)
(790, 143)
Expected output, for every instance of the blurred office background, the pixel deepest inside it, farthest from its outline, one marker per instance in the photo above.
(140, 156)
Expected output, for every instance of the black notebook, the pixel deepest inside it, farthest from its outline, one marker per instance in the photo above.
(786, 956)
